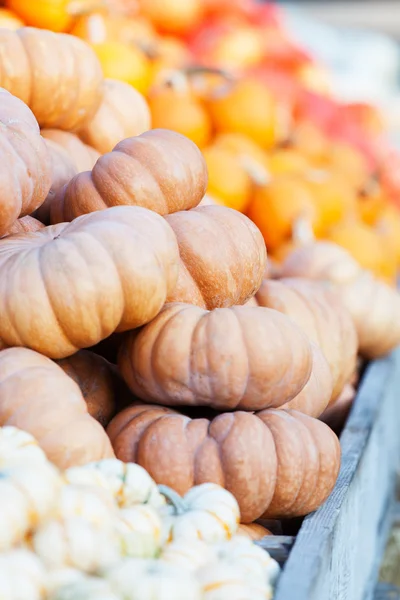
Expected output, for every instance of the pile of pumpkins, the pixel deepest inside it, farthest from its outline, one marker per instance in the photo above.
(106, 530)
(144, 325)
(226, 75)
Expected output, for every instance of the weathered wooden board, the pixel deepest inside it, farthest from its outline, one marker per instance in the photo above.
(337, 550)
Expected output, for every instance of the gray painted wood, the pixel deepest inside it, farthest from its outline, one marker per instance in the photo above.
(335, 553)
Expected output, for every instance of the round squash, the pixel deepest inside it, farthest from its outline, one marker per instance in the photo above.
(79, 282)
(253, 531)
(57, 75)
(373, 305)
(122, 113)
(25, 169)
(276, 463)
(24, 225)
(9, 20)
(229, 358)
(96, 380)
(223, 257)
(323, 319)
(37, 396)
(160, 170)
(83, 156)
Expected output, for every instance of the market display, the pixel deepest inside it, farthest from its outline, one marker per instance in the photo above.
(198, 253)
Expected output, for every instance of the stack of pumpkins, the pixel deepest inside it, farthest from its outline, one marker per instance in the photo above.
(226, 371)
(105, 530)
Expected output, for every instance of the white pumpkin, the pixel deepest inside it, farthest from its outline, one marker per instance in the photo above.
(188, 554)
(27, 496)
(207, 512)
(222, 581)
(85, 588)
(139, 531)
(255, 562)
(76, 542)
(129, 483)
(19, 448)
(141, 579)
(85, 502)
(22, 576)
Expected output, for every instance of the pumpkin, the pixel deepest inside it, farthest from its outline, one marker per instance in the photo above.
(172, 16)
(83, 156)
(151, 578)
(22, 575)
(253, 531)
(323, 319)
(276, 463)
(96, 380)
(207, 512)
(19, 448)
(75, 542)
(139, 531)
(160, 170)
(222, 580)
(65, 430)
(287, 161)
(189, 554)
(279, 206)
(28, 495)
(9, 20)
(67, 307)
(176, 107)
(387, 226)
(373, 305)
(228, 179)
(57, 15)
(84, 588)
(223, 257)
(56, 75)
(63, 170)
(86, 503)
(25, 173)
(366, 246)
(129, 483)
(253, 560)
(248, 107)
(220, 359)
(122, 113)
(24, 225)
(335, 415)
(125, 62)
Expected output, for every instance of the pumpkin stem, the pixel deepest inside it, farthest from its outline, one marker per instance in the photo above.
(174, 499)
(256, 171)
(302, 231)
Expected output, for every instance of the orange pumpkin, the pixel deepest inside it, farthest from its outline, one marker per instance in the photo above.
(82, 156)
(287, 161)
(125, 62)
(253, 531)
(277, 209)
(248, 107)
(228, 180)
(253, 157)
(160, 170)
(64, 430)
(24, 225)
(58, 76)
(179, 110)
(371, 202)
(221, 359)
(167, 53)
(25, 166)
(388, 228)
(9, 20)
(173, 16)
(276, 463)
(101, 26)
(122, 113)
(348, 162)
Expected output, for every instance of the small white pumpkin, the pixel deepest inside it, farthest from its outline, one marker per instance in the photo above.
(129, 483)
(27, 496)
(19, 448)
(139, 531)
(85, 588)
(222, 581)
(141, 579)
(188, 554)
(207, 512)
(22, 576)
(76, 542)
(255, 562)
(85, 502)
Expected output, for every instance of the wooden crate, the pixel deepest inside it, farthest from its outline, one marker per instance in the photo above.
(338, 549)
